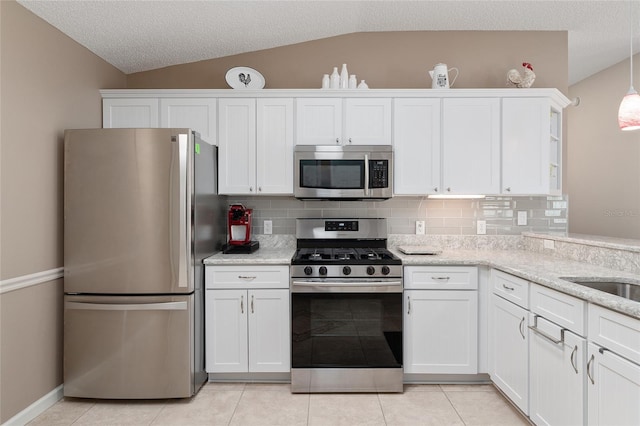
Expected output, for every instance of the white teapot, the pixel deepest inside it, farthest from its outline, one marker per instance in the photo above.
(440, 76)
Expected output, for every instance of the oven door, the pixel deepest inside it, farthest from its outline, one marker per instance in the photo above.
(346, 337)
(340, 172)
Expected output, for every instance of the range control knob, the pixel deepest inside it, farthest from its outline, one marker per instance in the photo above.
(385, 270)
(323, 270)
(308, 270)
(346, 270)
(371, 270)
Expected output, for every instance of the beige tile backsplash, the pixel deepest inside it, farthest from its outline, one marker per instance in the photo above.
(442, 217)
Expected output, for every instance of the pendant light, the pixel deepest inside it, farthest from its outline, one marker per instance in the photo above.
(629, 111)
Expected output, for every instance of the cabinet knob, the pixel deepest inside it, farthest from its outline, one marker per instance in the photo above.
(338, 141)
(449, 189)
(349, 140)
(508, 189)
(259, 189)
(435, 189)
(251, 189)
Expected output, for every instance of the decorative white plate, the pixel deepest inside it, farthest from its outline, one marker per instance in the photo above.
(244, 78)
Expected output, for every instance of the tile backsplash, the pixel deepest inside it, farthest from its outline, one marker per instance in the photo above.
(544, 214)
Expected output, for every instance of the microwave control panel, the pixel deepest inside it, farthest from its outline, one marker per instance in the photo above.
(378, 173)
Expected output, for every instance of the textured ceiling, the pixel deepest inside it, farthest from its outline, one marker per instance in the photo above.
(139, 35)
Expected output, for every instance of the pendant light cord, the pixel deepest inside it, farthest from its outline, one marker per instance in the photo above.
(631, 45)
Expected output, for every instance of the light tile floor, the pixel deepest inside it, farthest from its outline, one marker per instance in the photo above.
(273, 404)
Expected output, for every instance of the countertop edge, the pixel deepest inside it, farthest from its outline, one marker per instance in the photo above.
(538, 268)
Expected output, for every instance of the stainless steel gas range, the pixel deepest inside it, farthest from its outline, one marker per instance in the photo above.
(346, 301)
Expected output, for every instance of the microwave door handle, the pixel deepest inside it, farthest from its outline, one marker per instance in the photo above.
(366, 175)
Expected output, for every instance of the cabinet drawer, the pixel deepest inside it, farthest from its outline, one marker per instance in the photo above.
(566, 311)
(511, 288)
(614, 331)
(247, 276)
(441, 277)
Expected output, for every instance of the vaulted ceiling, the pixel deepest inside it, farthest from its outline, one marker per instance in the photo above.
(139, 35)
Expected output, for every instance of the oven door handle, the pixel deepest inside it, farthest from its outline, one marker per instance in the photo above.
(346, 287)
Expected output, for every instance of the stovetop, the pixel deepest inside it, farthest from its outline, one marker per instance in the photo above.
(343, 248)
(345, 256)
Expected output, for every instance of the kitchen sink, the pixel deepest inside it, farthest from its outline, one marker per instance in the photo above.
(623, 288)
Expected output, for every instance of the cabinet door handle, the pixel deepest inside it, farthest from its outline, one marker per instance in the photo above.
(441, 278)
(507, 287)
(349, 140)
(408, 305)
(574, 352)
(508, 189)
(251, 189)
(589, 375)
(338, 141)
(252, 303)
(259, 189)
(521, 328)
(449, 189)
(541, 333)
(247, 277)
(435, 189)
(242, 304)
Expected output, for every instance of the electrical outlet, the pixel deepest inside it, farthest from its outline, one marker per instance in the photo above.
(522, 218)
(268, 227)
(549, 244)
(481, 227)
(420, 227)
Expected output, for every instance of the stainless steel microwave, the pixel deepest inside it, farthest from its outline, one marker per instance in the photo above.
(343, 172)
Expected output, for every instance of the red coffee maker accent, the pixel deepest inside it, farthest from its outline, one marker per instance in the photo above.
(239, 221)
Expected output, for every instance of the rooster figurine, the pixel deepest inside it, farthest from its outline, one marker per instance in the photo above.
(515, 79)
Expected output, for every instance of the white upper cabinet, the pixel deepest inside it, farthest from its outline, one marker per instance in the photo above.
(367, 121)
(318, 121)
(197, 114)
(525, 146)
(334, 121)
(416, 146)
(471, 146)
(274, 146)
(237, 146)
(255, 146)
(130, 113)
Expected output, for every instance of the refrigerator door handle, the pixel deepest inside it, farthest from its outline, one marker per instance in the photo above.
(180, 234)
(166, 306)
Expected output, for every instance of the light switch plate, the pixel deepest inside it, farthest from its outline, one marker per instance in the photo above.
(420, 227)
(268, 227)
(481, 227)
(522, 218)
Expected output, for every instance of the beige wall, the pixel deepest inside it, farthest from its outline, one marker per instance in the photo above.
(603, 176)
(48, 83)
(384, 60)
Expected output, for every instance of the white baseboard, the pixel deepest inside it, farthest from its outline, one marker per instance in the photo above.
(37, 408)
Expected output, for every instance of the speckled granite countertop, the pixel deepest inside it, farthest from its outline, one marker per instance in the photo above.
(262, 256)
(539, 268)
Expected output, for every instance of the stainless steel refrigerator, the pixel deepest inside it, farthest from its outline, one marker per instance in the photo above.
(141, 212)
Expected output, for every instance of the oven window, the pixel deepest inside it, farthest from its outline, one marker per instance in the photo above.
(332, 174)
(336, 330)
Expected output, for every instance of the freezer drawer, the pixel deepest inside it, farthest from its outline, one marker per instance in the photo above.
(129, 346)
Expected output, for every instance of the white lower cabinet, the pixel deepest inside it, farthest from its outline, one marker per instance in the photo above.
(440, 324)
(557, 375)
(613, 389)
(247, 329)
(613, 368)
(509, 350)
